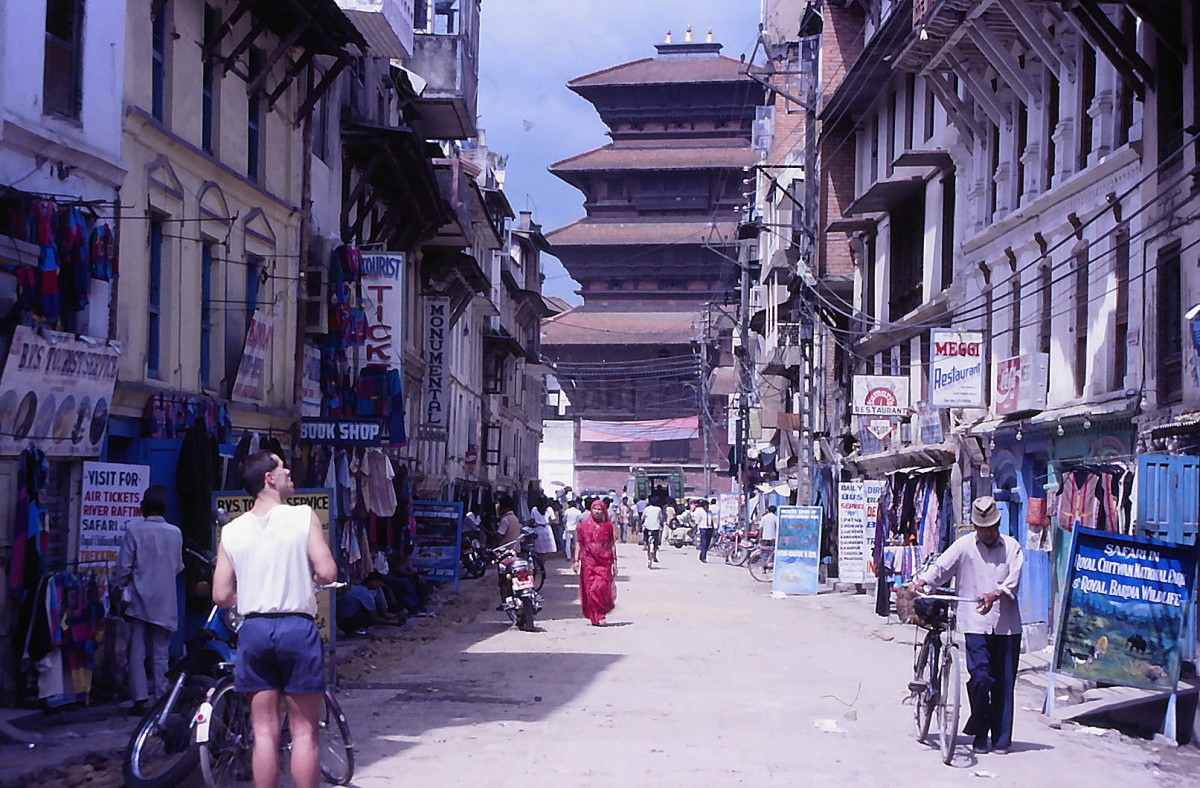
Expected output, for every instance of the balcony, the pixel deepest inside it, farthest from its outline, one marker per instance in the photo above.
(387, 25)
(446, 56)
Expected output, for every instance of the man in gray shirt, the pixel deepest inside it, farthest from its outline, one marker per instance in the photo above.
(986, 566)
(150, 558)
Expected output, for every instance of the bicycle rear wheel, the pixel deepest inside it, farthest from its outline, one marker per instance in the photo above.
(949, 698)
(761, 564)
(225, 756)
(337, 749)
(923, 689)
(539, 573)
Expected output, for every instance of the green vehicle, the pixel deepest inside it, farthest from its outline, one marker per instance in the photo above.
(647, 480)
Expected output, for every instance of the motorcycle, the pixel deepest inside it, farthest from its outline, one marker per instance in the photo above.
(475, 556)
(162, 751)
(682, 532)
(519, 598)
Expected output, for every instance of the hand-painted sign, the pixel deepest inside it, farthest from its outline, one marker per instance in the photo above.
(341, 432)
(852, 532)
(956, 369)
(247, 387)
(728, 510)
(55, 393)
(1021, 383)
(880, 395)
(1124, 611)
(438, 538)
(797, 550)
(437, 327)
(383, 278)
(112, 496)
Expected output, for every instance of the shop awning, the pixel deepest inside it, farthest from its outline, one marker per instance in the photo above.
(886, 195)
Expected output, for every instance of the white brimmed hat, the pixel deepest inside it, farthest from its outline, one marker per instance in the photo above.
(984, 512)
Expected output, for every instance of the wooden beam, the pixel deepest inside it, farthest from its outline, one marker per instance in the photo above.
(294, 71)
(251, 36)
(958, 111)
(981, 93)
(1035, 36)
(235, 16)
(279, 51)
(1004, 61)
(1168, 30)
(1099, 29)
(364, 180)
(315, 95)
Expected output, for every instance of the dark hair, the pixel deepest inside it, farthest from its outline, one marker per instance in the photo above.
(372, 576)
(255, 467)
(154, 501)
(507, 504)
(771, 509)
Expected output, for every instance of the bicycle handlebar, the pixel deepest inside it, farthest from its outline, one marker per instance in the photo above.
(947, 597)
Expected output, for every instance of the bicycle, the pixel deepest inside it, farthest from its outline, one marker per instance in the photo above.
(761, 563)
(936, 687)
(652, 537)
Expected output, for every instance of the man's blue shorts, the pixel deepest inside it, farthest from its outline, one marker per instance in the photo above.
(279, 652)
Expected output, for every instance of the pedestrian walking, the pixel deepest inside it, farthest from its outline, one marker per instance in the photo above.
(267, 563)
(986, 566)
(624, 515)
(596, 563)
(544, 545)
(768, 526)
(571, 518)
(704, 523)
(148, 564)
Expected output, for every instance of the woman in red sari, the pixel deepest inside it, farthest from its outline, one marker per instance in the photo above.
(596, 563)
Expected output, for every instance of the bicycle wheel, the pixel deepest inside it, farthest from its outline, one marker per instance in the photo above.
(225, 753)
(337, 749)
(923, 689)
(539, 573)
(949, 697)
(761, 564)
(161, 751)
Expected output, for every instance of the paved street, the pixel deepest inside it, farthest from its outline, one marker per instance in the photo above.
(701, 678)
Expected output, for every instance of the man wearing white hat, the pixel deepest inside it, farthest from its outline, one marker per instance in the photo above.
(986, 566)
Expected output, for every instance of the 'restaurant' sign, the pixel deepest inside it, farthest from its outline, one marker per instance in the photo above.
(437, 327)
(383, 290)
(880, 395)
(341, 432)
(55, 393)
(956, 378)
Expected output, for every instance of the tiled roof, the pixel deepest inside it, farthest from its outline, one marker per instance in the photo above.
(672, 157)
(588, 232)
(664, 71)
(586, 326)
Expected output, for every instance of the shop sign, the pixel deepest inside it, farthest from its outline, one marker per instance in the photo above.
(880, 428)
(247, 387)
(310, 381)
(341, 432)
(55, 393)
(880, 395)
(438, 536)
(383, 278)
(729, 507)
(852, 532)
(1021, 383)
(437, 327)
(111, 497)
(872, 492)
(797, 550)
(238, 503)
(1126, 604)
(956, 378)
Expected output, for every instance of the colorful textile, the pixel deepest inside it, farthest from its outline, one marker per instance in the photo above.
(597, 558)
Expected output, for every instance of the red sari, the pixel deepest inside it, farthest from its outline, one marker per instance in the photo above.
(597, 557)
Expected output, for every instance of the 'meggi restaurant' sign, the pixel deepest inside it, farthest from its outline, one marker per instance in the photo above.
(956, 378)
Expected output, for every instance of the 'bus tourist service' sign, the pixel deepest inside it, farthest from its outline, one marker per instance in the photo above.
(1126, 603)
(956, 378)
(797, 550)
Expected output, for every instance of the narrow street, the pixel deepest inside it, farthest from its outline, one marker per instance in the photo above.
(701, 678)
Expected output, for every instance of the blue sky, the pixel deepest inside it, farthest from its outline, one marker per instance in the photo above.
(529, 49)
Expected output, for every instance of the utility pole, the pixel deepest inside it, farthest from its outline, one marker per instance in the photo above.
(705, 427)
(747, 235)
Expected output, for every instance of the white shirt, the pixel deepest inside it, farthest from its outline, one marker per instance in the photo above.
(769, 525)
(700, 517)
(979, 569)
(538, 517)
(652, 518)
(572, 517)
(269, 556)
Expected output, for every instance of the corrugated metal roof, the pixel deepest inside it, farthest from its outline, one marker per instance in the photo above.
(586, 232)
(586, 326)
(674, 157)
(664, 71)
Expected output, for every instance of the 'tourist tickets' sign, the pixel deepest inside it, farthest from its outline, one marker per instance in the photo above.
(383, 287)
(880, 395)
(341, 432)
(956, 378)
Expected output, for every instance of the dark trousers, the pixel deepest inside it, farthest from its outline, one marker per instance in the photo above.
(706, 535)
(992, 662)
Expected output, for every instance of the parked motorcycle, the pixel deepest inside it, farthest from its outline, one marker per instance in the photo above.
(519, 598)
(682, 532)
(475, 556)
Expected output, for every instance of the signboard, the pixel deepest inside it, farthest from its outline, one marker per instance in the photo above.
(852, 532)
(111, 497)
(247, 387)
(383, 277)
(1124, 611)
(341, 432)
(55, 393)
(1021, 383)
(797, 550)
(310, 381)
(237, 503)
(729, 506)
(438, 538)
(437, 325)
(880, 395)
(872, 492)
(956, 378)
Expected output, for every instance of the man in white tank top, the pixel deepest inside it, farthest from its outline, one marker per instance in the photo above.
(267, 563)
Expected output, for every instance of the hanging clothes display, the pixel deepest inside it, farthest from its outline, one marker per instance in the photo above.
(1096, 495)
(914, 523)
